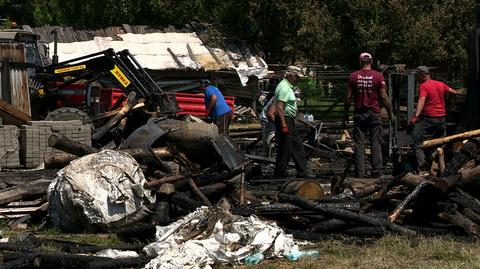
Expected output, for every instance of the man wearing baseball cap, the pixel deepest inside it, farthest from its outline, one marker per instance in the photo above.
(430, 116)
(368, 89)
(216, 106)
(289, 143)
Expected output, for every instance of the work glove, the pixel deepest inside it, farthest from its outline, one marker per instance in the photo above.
(413, 120)
(285, 130)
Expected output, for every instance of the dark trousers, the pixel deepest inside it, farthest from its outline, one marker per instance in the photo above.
(427, 128)
(223, 123)
(367, 121)
(289, 145)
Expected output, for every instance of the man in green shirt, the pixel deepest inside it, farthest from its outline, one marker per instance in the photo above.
(289, 143)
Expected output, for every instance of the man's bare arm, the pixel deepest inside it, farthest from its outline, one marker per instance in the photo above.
(272, 110)
(280, 106)
(459, 91)
(420, 105)
(386, 101)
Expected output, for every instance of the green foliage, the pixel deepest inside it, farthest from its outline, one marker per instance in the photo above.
(432, 32)
(309, 88)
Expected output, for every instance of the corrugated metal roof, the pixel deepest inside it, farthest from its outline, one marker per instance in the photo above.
(163, 51)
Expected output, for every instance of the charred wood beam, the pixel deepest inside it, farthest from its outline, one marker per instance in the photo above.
(344, 214)
(197, 192)
(206, 179)
(53, 260)
(461, 221)
(396, 213)
(460, 158)
(329, 225)
(67, 145)
(473, 216)
(182, 200)
(213, 188)
(311, 236)
(158, 182)
(58, 160)
(72, 147)
(466, 200)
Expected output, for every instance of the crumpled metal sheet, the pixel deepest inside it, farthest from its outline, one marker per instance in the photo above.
(96, 190)
(232, 239)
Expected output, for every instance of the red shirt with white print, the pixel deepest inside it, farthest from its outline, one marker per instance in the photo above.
(366, 85)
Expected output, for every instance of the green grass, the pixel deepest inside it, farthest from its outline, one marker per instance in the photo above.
(388, 252)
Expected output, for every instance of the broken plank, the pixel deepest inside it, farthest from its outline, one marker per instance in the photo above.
(12, 115)
(130, 103)
(17, 210)
(16, 216)
(26, 203)
(17, 193)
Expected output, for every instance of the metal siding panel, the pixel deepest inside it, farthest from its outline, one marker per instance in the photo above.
(192, 104)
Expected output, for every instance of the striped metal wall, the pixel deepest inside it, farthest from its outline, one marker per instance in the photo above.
(14, 77)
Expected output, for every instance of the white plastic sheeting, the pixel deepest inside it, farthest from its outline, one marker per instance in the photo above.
(230, 241)
(117, 254)
(96, 190)
(151, 51)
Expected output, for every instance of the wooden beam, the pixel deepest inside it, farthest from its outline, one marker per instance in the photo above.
(230, 56)
(244, 55)
(127, 28)
(17, 210)
(175, 58)
(131, 102)
(192, 56)
(443, 140)
(11, 115)
(219, 62)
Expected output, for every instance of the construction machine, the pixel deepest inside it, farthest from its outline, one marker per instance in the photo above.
(32, 86)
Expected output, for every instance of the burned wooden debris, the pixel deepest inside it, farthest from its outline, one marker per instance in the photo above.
(179, 166)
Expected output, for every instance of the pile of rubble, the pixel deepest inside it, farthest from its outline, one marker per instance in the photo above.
(180, 183)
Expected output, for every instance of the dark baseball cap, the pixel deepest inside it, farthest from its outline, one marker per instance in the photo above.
(422, 69)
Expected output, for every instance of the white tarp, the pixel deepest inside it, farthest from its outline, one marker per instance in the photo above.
(227, 239)
(151, 51)
(96, 190)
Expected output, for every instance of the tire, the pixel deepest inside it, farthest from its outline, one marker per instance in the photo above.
(69, 113)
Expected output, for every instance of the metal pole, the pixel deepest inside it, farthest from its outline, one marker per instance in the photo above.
(55, 45)
(411, 96)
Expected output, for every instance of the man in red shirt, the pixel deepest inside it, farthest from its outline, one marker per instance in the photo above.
(368, 88)
(430, 116)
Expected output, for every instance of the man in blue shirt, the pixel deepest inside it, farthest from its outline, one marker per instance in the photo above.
(217, 108)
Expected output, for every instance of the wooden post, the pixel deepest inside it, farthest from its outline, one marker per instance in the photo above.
(443, 140)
